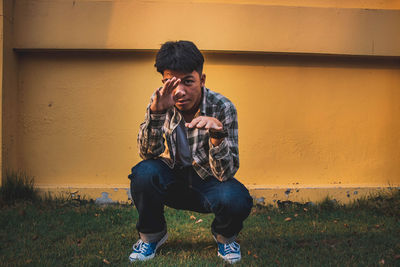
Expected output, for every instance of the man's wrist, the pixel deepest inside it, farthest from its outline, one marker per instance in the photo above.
(157, 119)
(157, 111)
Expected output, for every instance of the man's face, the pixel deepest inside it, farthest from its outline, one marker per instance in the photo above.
(189, 87)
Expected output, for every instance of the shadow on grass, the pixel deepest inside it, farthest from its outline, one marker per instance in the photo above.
(176, 245)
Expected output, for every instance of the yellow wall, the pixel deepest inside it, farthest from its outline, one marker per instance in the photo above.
(300, 122)
(213, 25)
(77, 86)
(313, 121)
(1, 81)
(9, 93)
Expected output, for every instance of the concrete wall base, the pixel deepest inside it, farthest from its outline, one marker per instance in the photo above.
(261, 195)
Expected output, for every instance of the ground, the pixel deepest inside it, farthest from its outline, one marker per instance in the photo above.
(79, 233)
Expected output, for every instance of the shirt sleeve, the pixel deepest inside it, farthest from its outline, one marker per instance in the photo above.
(224, 158)
(150, 138)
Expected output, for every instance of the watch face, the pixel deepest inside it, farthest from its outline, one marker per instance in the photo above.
(219, 134)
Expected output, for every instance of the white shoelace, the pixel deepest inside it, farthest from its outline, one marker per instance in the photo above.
(232, 247)
(141, 246)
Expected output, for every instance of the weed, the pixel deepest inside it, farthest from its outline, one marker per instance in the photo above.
(328, 204)
(18, 186)
(384, 202)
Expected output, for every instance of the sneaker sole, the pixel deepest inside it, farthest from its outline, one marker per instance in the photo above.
(231, 261)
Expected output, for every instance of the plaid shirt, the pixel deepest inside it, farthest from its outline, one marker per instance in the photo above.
(221, 161)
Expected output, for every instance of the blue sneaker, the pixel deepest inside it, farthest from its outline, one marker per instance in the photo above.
(145, 251)
(229, 252)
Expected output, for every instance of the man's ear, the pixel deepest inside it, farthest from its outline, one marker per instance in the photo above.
(203, 79)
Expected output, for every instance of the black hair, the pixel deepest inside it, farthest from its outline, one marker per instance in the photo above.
(181, 56)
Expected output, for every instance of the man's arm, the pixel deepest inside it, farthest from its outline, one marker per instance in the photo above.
(224, 152)
(150, 137)
(224, 158)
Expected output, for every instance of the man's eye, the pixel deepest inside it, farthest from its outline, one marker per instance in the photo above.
(188, 82)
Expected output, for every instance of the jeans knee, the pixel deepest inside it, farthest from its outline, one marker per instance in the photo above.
(147, 174)
(142, 173)
(244, 205)
(236, 205)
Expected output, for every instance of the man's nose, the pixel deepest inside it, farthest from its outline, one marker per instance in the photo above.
(180, 89)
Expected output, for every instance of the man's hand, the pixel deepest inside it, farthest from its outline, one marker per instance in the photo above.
(203, 122)
(209, 123)
(165, 97)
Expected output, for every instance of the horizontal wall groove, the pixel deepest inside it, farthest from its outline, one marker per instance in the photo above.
(251, 57)
(204, 51)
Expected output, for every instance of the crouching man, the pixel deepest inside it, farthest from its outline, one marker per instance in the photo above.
(189, 145)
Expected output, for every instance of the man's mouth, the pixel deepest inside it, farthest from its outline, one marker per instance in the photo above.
(182, 102)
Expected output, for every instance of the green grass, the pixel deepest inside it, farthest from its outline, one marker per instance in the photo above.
(72, 233)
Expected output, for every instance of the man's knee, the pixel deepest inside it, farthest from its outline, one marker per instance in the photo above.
(236, 201)
(148, 173)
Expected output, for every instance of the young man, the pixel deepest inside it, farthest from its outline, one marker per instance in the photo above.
(194, 170)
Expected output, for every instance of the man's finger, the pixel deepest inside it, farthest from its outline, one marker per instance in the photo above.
(192, 123)
(176, 83)
(158, 93)
(173, 83)
(201, 123)
(214, 126)
(218, 128)
(164, 89)
(167, 86)
(209, 125)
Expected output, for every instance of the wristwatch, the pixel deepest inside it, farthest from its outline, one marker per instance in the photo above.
(218, 134)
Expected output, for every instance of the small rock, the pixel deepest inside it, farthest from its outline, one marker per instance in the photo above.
(260, 200)
(287, 192)
(104, 199)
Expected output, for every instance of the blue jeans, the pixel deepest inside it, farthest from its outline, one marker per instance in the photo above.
(154, 184)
